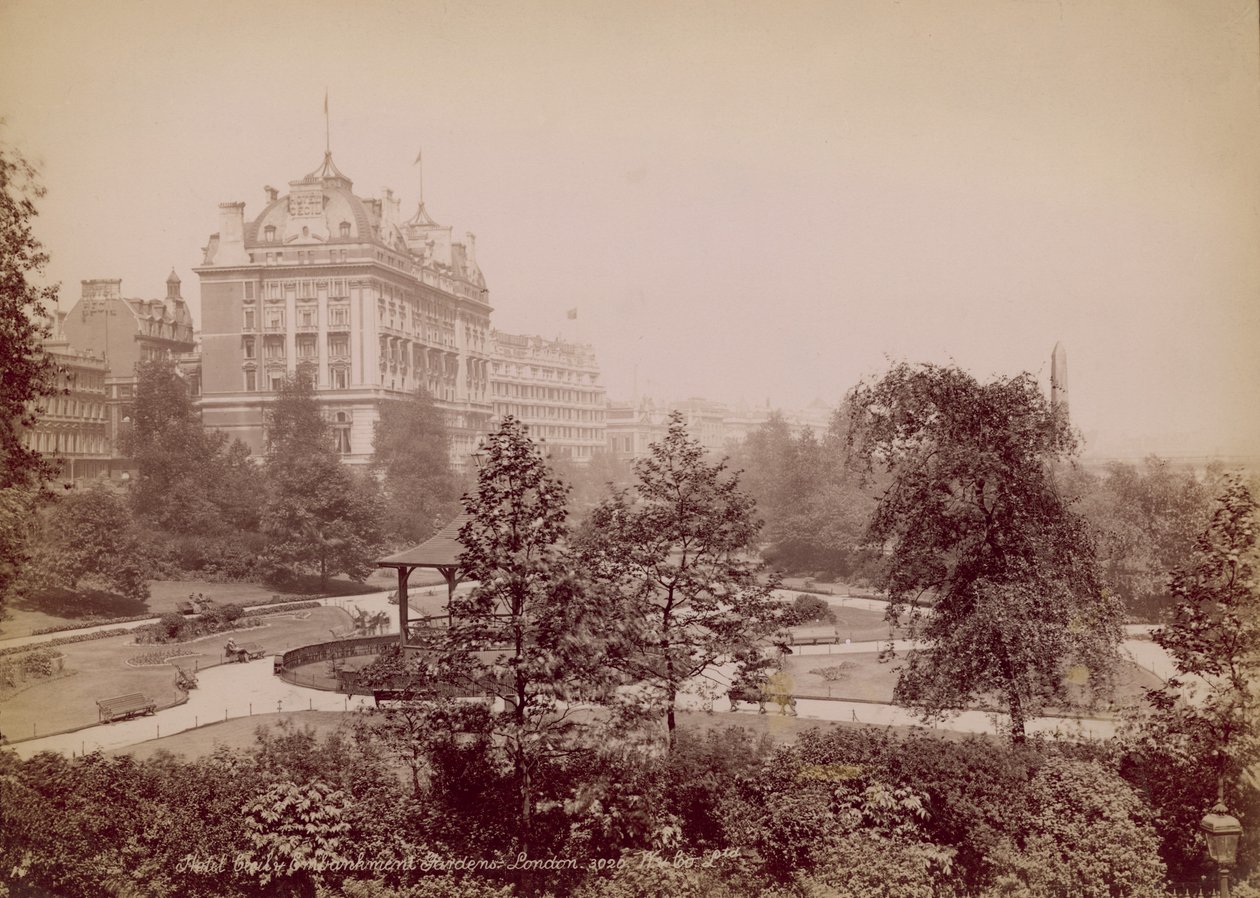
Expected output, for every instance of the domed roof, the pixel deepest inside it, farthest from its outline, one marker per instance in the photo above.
(313, 212)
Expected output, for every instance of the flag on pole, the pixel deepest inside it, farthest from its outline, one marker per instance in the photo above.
(418, 154)
(325, 101)
(571, 314)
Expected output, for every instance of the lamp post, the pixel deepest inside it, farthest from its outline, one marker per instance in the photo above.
(1222, 831)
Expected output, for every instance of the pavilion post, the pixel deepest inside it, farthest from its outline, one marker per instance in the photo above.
(452, 577)
(403, 574)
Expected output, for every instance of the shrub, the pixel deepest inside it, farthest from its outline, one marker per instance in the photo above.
(809, 609)
(835, 672)
(41, 664)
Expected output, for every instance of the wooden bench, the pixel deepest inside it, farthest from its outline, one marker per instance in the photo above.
(246, 651)
(125, 706)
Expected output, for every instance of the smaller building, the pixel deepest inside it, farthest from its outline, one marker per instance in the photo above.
(554, 388)
(125, 332)
(74, 428)
(633, 426)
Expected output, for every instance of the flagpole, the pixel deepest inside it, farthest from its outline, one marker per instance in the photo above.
(327, 129)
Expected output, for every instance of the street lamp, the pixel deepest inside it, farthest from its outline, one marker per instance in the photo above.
(1222, 831)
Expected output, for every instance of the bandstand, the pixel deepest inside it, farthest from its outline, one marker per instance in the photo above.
(439, 552)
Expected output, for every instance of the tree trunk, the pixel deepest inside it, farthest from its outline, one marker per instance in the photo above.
(1016, 708)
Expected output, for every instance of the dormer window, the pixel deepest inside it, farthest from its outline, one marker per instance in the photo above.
(269, 234)
(344, 230)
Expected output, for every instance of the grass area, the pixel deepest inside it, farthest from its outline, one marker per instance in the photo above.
(858, 624)
(102, 671)
(865, 678)
(59, 607)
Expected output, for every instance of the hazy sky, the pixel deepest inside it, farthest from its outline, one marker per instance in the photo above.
(745, 201)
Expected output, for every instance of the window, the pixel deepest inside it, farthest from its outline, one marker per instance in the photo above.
(269, 234)
(275, 319)
(306, 346)
(341, 433)
(306, 317)
(251, 380)
(344, 230)
(249, 320)
(337, 377)
(247, 347)
(277, 381)
(338, 316)
(273, 348)
(338, 346)
(249, 290)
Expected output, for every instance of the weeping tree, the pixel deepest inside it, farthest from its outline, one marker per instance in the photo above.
(974, 529)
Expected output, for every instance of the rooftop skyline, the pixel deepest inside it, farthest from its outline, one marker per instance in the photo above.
(746, 203)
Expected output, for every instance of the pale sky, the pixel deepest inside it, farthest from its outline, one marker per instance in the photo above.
(751, 201)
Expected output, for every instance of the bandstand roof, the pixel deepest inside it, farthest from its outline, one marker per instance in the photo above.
(441, 550)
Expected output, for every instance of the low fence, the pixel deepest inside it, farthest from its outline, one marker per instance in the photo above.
(339, 649)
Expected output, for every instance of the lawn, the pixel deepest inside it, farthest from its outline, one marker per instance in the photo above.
(857, 624)
(863, 677)
(59, 607)
(101, 671)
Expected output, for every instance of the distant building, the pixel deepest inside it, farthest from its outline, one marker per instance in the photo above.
(553, 387)
(124, 332)
(632, 426)
(378, 305)
(74, 429)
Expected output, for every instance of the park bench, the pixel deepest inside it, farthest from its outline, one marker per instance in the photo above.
(246, 651)
(125, 706)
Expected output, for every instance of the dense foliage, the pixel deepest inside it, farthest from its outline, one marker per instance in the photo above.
(851, 812)
(974, 524)
(814, 505)
(28, 375)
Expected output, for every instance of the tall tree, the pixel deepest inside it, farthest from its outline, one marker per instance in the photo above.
(531, 632)
(411, 450)
(318, 517)
(28, 375)
(190, 480)
(676, 550)
(1214, 637)
(974, 526)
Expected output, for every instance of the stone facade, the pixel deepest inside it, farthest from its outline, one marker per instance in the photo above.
(124, 332)
(380, 306)
(74, 426)
(553, 387)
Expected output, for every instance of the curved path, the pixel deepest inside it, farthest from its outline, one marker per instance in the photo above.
(237, 690)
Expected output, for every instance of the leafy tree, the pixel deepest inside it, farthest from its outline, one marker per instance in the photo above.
(1214, 638)
(815, 508)
(676, 552)
(411, 452)
(974, 524)
(532, 633)
(28, 374)
(89, 535)
(27, 371)
(318, 516)
(190, 480)
(1147, 518)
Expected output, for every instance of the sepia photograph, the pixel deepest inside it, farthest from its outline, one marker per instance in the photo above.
(719, 449)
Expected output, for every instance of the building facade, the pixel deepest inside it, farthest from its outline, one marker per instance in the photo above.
(125, 332)
(74, 428)
(377, 305)
(554, 388)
